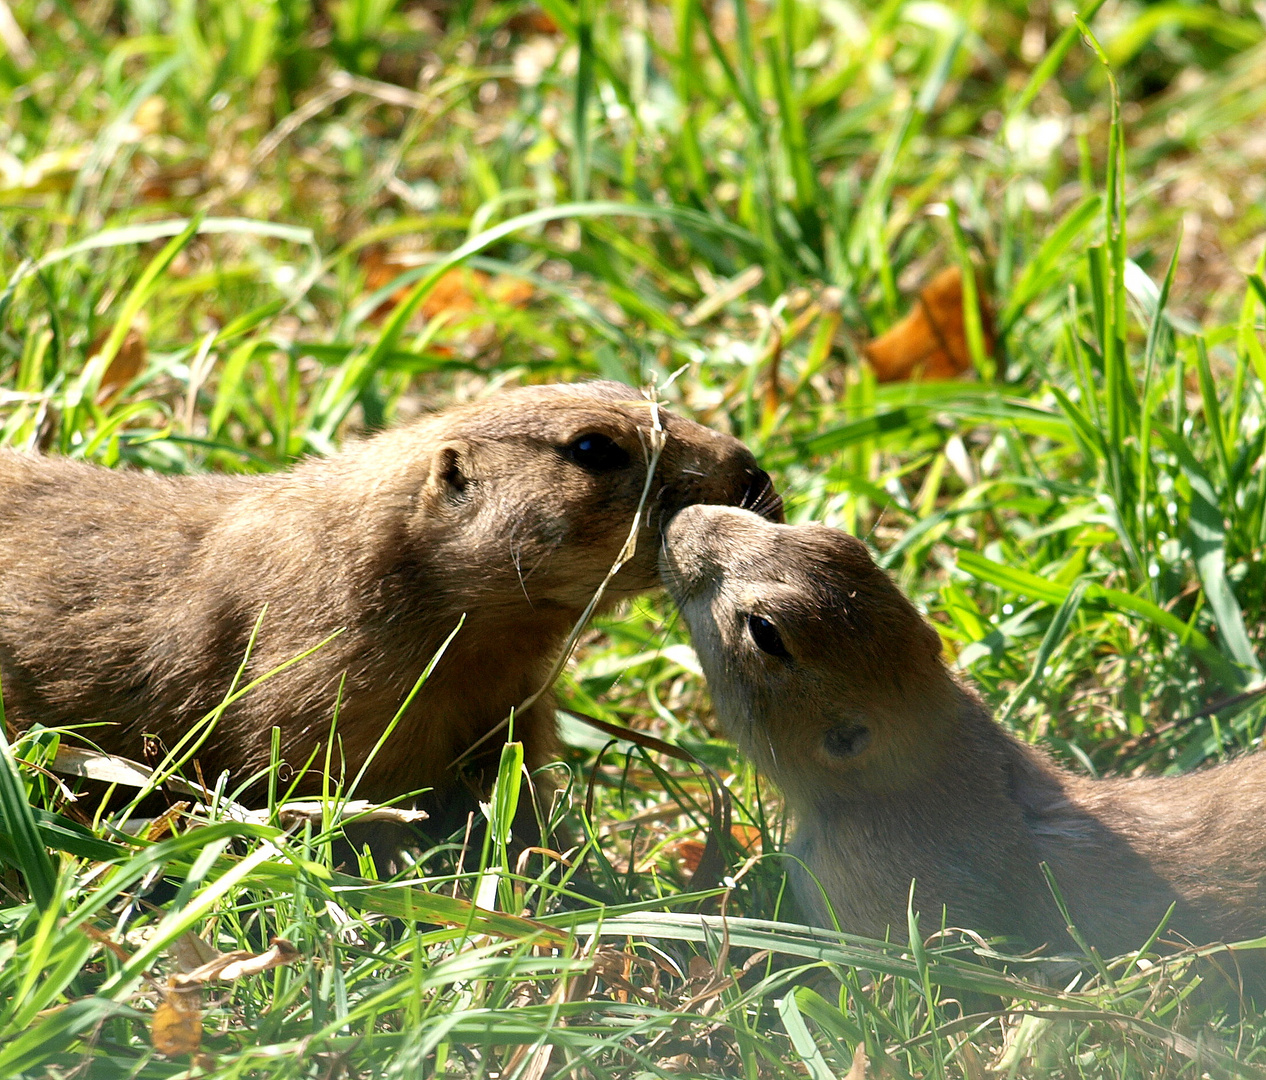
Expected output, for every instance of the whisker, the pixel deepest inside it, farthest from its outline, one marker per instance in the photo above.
(764, 500)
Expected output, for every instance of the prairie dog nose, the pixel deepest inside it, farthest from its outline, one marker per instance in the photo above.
(700, 542)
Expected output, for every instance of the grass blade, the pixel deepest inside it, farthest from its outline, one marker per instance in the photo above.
(22, 842)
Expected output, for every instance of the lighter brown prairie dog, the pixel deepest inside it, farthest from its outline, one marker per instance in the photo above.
(827, 676)
(129, 598)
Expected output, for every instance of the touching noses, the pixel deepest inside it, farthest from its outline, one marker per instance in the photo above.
(760, 497)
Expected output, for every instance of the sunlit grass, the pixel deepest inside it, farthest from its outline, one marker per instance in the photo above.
(225, 228)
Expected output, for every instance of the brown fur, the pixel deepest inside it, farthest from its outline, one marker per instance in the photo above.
(895, 770)
(129, 598)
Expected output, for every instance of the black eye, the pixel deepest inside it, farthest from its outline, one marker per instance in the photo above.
(847, 739)
(596, 453)
(765, 635)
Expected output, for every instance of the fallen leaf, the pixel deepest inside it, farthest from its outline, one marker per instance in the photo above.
(239, 963)
(452, 294)
(700, 970)
(190, 952)
(163, 824)
(281, 953)
(615, 967)
(127, 364)
(177, 1024)
(973, 1067)
(171, 179)
(690, 852)
(531, 21)
(104, 939)
(931, 341)
(459, 291)
(507, 289)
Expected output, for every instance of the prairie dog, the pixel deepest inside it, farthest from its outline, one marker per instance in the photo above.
(894, 769)
(130, 598)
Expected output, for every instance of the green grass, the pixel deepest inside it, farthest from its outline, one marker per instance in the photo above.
(197, 188)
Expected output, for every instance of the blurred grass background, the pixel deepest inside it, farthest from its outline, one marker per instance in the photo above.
(227, 237)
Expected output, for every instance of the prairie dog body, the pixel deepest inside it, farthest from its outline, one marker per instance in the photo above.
(830, 679)
(130, 598)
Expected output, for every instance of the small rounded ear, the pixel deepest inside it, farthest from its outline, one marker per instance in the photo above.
(449, 478)
(846, 739)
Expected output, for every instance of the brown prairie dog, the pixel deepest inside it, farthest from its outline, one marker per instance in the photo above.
(129, 598)
(830, 679)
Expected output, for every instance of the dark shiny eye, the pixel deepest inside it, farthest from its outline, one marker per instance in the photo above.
(847, 739)
(765, 635)
(596, 453)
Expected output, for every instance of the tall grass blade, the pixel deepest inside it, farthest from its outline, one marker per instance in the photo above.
(802, 1041)
(22, 843)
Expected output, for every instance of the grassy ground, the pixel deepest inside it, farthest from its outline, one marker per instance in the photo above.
(224, 229)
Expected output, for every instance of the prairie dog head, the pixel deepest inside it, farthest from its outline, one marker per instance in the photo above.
(540, 487)
(819, 667)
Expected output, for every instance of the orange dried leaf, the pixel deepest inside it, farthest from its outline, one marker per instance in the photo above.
(104, 939)
(459, 291)
(690, 852)
(532, 21)
(511, 290)
(931, 341)
(378, 267)
(177, 1024)
(165, 822)
(453, 294)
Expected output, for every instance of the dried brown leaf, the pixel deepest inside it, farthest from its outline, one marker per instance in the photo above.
(459, 292)
(973, 1067)
(689, 851)
(531, 21)
(190, 952)
(931, 341)
(748, 838)
(700, 970)
(162, 825)
(103, 938)
(177, 1025)
(127, 364)
(239, 963)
